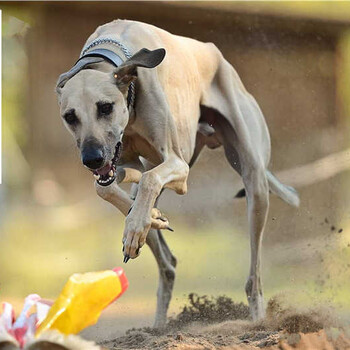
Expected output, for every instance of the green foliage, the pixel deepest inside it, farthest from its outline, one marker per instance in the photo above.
(15, 78)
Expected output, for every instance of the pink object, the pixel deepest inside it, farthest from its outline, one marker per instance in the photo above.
(7, 315)
(23, 328)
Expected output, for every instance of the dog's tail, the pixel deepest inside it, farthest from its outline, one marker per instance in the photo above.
(286, 193)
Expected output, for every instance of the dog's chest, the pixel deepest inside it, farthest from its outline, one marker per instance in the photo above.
(139, 146)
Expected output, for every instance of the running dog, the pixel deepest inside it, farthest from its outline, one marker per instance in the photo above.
(141, 104)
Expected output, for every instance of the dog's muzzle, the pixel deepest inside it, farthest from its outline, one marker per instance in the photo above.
(107, 174)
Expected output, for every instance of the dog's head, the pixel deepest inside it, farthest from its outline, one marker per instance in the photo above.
(93, 105)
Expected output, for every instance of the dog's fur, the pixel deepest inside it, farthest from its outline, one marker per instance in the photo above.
(192, 99)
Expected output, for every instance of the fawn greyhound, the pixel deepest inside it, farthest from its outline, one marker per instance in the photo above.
(146, 126)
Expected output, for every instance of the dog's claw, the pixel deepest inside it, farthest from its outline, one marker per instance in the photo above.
(159, 221)
(126, 258)
(170, 229)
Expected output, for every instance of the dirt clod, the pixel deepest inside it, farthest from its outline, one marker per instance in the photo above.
(179, 337)
(301, 323)
(209, 310)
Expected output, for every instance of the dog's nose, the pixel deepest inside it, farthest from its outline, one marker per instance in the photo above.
(92, 157)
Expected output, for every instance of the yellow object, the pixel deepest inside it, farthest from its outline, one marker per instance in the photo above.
(82, 300)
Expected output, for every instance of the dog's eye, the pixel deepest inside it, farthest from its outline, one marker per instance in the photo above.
(104, 108)
(71, 118)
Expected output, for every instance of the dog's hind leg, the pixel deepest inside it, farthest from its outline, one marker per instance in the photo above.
(257, 192)
(258, 202)
(166, 265)
(246, 140)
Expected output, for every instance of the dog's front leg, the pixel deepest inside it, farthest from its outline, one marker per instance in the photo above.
(116, 196)
(121, 199)
(172, 173)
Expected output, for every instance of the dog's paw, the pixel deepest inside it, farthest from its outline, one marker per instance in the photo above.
(135, 234)
(136, 230)
(159, 221)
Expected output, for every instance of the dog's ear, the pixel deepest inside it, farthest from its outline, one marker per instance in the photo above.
(127, 72)
(81, 64)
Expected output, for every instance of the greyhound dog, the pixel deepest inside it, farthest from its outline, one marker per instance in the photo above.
(141, 104)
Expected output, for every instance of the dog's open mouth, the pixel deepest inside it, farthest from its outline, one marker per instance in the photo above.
(107, 174)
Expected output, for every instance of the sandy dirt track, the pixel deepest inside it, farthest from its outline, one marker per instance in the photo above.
(219, 323)
(211, 341)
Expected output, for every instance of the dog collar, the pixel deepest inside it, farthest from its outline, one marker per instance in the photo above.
(111, 57)
(104, 53)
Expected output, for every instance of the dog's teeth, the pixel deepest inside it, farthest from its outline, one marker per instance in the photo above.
(111, 173)
(97, 177)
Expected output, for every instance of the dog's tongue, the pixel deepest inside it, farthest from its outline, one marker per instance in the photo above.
(104, 170)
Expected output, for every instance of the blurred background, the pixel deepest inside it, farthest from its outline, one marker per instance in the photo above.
(294, 57)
